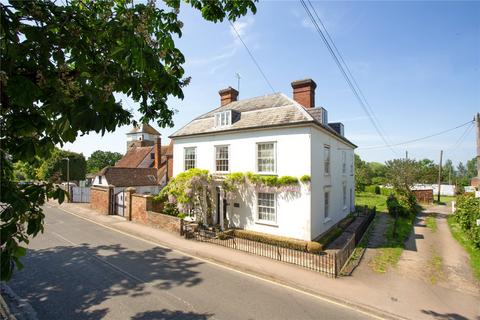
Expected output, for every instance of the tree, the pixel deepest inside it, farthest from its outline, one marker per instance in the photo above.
(24, 171)
(61, 65)
(54, 169)
(472, 168)
(427, 171)
(101, 159)
(402, 174)
(378, 171)
(363, 174)
(448, 172)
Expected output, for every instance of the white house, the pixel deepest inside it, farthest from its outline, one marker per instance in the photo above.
(273, 135)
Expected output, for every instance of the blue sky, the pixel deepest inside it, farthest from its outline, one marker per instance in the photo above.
(418, 64)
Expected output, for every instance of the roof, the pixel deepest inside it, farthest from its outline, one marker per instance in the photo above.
(266, 111)
(130, 177)
(134, 157)
(146, 128)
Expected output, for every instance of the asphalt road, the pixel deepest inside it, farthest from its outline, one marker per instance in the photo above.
(80, 270)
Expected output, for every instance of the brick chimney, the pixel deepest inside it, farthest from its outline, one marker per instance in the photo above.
(157, 147)
(304, 92)
(228, 95)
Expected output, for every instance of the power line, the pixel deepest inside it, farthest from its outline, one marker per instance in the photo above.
(461, 138)
(348, 70)
(253, 58)
(344, 73)
(419, 139)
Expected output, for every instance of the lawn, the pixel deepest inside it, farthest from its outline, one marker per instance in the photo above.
(444, 200)
(460, 236)
(371, 200)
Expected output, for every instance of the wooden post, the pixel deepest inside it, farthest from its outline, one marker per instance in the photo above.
(439, 176)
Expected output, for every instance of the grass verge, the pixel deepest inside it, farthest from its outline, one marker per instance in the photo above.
(431, 223)
(461, 237)
(389, 254)
(371, 200)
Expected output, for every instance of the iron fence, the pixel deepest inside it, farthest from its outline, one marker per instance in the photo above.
(329, 263)
(320, 262)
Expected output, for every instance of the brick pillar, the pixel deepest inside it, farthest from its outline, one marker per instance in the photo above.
(128, 202)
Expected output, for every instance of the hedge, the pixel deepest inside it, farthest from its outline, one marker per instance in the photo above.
(466, 214)
(284, 242)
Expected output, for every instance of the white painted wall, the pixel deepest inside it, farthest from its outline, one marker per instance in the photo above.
(332, 182)
(299, 151)
(96, 181)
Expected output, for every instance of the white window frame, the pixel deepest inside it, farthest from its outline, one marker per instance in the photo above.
(352, 163)
(327, 160)
(257, 167)
(223, 118)
(326, 205)
(228, 158)
(185, 158)
(266, 221)
(344, 162)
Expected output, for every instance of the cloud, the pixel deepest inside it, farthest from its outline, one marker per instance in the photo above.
(220, 59)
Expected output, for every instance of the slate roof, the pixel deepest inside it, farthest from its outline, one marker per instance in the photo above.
(130, 177)
(266, 111)
(134, 157)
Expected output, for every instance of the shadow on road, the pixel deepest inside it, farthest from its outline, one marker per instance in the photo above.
(72, 282)
(167, 314)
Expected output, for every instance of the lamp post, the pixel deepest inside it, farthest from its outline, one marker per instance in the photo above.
(68, 176)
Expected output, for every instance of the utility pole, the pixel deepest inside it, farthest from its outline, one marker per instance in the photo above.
(440, 176)
(477, 121)
(68, 176)
(406, 154)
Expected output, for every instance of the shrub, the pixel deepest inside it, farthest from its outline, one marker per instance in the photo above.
(466, 214)
(370, 189)
(181, 215)
(314, 247)
(271, 239)
(386, 191)
(305, 178)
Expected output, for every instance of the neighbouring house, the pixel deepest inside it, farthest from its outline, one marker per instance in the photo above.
(272, 135)
(146, 166)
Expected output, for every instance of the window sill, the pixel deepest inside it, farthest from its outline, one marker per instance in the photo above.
(327, 220)
(267, 173)
(267, 223)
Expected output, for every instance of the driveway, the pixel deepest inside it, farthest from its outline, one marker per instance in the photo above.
(80, 270)
(435, 256)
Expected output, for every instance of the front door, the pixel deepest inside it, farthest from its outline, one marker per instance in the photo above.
(221, 207)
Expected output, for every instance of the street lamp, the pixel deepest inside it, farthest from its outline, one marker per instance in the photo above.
(68, 175)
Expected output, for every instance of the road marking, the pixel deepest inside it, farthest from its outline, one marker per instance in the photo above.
(225, 267)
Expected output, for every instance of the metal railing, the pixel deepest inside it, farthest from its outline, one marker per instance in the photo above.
(320, 262)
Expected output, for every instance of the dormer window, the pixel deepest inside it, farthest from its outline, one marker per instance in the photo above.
(223, 118)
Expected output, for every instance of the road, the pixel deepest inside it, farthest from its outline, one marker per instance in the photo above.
(81, 270)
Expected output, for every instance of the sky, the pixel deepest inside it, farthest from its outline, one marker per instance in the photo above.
(417, 63)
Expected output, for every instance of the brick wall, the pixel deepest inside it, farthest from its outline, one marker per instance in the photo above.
(143, 211)
(424, 196)
(100, 200)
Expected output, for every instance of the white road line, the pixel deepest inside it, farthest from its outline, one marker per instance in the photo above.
(346, 306)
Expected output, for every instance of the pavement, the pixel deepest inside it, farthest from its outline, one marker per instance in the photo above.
(388, 295)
